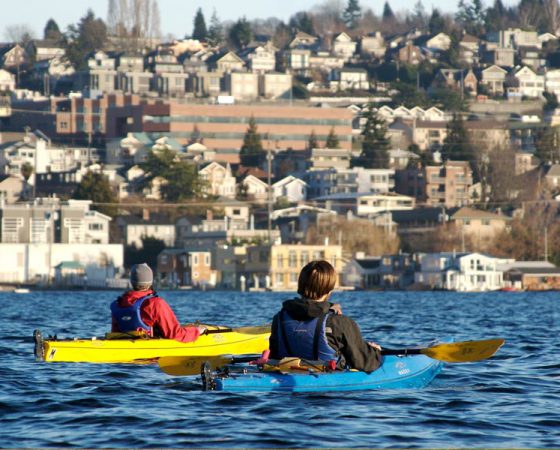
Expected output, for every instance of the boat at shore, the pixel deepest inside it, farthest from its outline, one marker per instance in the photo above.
(140, 349)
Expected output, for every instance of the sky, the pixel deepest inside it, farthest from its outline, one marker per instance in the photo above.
(177, 15)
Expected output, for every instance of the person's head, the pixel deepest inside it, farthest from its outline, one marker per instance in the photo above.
(141, 277)
(316, 280)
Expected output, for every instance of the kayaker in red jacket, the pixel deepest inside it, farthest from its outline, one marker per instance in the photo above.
(142, 309)
(310, 327)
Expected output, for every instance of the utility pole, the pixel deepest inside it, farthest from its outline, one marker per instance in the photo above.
(269, 179)
(546, 243)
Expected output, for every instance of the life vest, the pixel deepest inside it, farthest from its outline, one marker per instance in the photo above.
(304, 339)
(129, 318)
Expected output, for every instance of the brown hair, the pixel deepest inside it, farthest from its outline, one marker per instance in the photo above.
(316, 279)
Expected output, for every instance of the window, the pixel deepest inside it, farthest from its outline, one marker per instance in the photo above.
(292, 259)
(95, 227)
(304, 258)
(195, 260)
(280, 261)
(279, 279)
(293, 278)
(206, 260)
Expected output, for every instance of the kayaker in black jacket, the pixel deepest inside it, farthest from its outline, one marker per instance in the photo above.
(312, 328)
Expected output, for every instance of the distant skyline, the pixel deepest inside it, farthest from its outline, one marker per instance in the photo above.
(177, 15)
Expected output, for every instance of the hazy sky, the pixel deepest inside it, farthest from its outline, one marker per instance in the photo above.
(177, 15)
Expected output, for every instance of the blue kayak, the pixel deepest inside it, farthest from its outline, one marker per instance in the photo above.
(396, 372)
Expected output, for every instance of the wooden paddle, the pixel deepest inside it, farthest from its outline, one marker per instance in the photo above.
(455, 352)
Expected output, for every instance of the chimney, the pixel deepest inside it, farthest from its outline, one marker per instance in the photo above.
(209, 214)
(145, 214)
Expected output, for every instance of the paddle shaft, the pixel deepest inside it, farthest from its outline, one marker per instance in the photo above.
(401, 352)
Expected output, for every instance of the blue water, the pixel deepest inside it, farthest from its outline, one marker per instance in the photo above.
(511, 400)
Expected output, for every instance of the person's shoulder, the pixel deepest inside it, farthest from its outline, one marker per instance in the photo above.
(342, 320)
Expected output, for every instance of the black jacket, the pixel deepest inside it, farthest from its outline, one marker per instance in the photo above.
(343, 334)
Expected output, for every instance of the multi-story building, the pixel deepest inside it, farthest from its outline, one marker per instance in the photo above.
(366, 204)
(277, 266)
(219, 180)
(448, 185)
(134, 228)
(223, 127)
(345, 181)
(186, 267)
(38, 236)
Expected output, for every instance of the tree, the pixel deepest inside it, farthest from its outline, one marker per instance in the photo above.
(496, 17)
(471, 15)
(332, 140)
(240, 34)
(182, 180)
(96, 187)
(457, 145)
(20, 34)
(388, 14)
(26, 171)
(312, 141)
(375, 143)
(216, 30)
(282, 36)
(357, 235)
(252, 152)
(302, 21)
(502, 184)
(547, 145)
(148, 253)
(352, 14)
(52, 31)
(199, 30)
(88, 35)
(436, 24)
(419, 18)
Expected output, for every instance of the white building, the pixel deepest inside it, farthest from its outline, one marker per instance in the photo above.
(35, 263)
(466, 272)
(255, 188)
(291, 188)
(219, 180)
(345, 181)
(526, 83)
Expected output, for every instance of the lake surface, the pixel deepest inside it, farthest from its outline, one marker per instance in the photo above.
(511, 400)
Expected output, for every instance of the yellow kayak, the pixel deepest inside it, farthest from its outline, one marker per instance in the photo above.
(139, 349)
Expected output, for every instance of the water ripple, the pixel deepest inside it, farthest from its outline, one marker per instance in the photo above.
(508, 401)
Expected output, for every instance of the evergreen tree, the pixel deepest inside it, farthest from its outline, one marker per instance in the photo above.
(496, 17)
(457, 145)
(419, 17)
(471, 15)
(352, 14)
(199, 30)
(52, 31)
(96, 187)
(252, 153)
(240, 34)
(436, 24)
(375, 144)
(302, 21)
(332, 140)
(88, 35)
(216, 30)
(388, 14)
(182, 178)
(312, 142)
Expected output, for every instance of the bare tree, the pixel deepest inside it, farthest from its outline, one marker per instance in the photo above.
(551, 10)
(354, 235)
(20, 33)
(113, 16)
(327, 18)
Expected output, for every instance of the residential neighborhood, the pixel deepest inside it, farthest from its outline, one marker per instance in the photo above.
(417, 150)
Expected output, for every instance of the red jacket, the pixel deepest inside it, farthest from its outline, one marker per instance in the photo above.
(156, 313)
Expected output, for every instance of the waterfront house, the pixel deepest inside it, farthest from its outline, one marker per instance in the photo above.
(465, 272)
(397, 271)
(361, 272)
(276, 267)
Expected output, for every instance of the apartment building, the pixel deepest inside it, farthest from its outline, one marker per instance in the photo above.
(277, 266)
(448, 185)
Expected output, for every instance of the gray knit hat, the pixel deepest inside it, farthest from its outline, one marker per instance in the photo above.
(141, 276)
